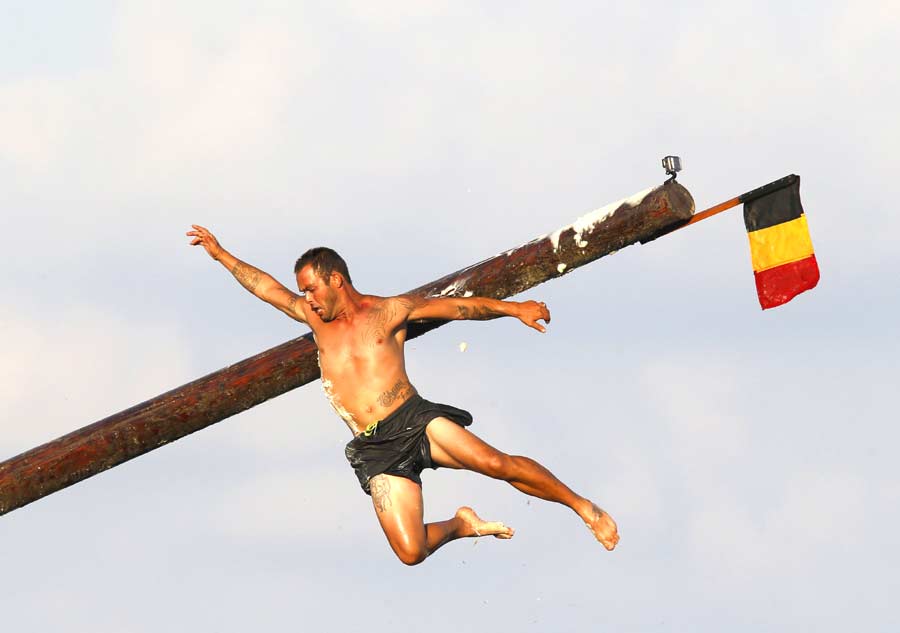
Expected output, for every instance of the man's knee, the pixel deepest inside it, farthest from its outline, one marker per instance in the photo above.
(498, 465)
(410, 553)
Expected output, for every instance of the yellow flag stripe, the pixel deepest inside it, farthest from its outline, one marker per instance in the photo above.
(780, 244)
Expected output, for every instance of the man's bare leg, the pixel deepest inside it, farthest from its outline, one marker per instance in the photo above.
(398, 505)
(454, 446)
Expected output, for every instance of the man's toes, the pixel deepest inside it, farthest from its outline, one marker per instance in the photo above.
(508, 533)
(498, 529)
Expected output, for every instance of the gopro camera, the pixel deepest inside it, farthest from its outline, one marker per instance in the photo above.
(672, 165)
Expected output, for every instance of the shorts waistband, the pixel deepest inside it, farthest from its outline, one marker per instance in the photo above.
(372, 429)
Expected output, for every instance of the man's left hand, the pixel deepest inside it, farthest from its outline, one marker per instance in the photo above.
(530, 312)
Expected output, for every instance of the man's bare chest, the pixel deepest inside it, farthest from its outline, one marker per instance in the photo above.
(355, 349)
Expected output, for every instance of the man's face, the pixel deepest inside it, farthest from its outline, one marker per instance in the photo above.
(319, 293)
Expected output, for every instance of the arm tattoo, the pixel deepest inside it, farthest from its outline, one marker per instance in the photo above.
(399, 392)
(410, 302)
(292, 304)
(477, 313)
(380, 487)
(248, 276)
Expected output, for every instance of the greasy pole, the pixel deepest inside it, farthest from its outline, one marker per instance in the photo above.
(221, 394)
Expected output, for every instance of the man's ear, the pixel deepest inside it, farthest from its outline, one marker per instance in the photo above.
(337, 279)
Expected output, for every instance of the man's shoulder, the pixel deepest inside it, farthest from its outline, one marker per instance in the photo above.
(410, 302)
(404, 301)
(381, 306)
(374, 301)
(394, 309)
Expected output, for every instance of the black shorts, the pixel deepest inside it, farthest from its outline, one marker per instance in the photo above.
(398, 445)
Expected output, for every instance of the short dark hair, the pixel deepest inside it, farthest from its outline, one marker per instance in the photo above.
(324, 261)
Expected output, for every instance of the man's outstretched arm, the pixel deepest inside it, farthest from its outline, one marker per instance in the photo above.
(476, 309)
(260, 283)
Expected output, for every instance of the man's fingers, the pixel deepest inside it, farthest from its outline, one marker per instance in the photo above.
(199, 231)
(545, 311)
(537, 326)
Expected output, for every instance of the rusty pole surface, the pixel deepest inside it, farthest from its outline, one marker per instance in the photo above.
(221, 394)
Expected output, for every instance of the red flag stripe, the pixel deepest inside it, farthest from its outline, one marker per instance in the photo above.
(779, 285)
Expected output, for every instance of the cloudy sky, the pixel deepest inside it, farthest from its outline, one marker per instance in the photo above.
(747, 456)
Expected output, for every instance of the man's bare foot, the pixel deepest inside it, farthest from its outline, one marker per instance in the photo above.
(476, 526)
(602, 526)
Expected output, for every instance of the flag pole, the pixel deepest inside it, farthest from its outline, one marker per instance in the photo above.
(714, 210)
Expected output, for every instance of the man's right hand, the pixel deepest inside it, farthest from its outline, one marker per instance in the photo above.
(205, 239)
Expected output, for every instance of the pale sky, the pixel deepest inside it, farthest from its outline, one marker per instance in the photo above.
(746, 455)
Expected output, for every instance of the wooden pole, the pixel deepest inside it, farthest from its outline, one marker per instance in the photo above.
(198, 404)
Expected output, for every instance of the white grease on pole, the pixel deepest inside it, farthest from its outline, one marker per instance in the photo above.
(585, 224)
(453, 289)
(588, 221)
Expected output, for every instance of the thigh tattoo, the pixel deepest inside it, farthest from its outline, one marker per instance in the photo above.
(380, 487)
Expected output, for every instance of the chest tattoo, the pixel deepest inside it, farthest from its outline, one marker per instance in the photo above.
(377, 322)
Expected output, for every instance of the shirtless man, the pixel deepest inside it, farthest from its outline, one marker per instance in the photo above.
(396, 432)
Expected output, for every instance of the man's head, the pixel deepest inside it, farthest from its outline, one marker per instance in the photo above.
(322, 276)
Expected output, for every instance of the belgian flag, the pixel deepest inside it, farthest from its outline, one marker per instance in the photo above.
(781, 250)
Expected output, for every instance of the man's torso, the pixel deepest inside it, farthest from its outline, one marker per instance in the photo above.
(362, 362)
